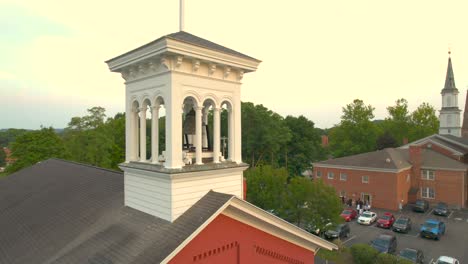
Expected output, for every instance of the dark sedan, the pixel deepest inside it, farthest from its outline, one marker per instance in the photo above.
(341, 231)
(441, 209)
(413, 255)
(385, 243)
(402, 224)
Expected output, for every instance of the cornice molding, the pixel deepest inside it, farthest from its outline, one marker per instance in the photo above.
(180, 64)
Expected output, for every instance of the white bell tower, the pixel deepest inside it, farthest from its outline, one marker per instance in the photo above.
(192, 81)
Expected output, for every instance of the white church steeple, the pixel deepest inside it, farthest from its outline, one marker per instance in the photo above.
(449, 117)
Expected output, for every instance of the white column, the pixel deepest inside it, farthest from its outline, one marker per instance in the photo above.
(143, 133)
(237, 132)
(231, 134)
(134, 134)
(198, 135)
(216, 134)
(155, 133)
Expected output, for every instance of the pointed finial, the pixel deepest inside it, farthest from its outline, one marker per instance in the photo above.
(449, 49)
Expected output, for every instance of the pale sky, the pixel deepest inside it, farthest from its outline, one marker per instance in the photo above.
(317, 55)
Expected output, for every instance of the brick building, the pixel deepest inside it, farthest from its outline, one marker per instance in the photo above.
(386, 177)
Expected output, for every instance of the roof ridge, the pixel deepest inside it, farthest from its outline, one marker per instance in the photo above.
(83, 164)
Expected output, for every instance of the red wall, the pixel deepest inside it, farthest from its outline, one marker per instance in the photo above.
(227, 241)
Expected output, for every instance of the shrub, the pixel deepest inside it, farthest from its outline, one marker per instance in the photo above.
(363, 253)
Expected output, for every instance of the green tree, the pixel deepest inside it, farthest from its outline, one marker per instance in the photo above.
(9, 135)
(356, 133)
(263, 134)
(324, 205)
(2, 157)
(34, 146)
(363, 253)
(304, 146)
(265, 187)
(386, 140)
(398, 123)
(340, 256)
(88, 140)
(424, 122)
(116, 128)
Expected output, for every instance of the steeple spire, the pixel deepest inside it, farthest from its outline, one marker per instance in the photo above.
(449, 79)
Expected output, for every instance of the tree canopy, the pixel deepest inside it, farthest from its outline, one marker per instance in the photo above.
(34, 146)
(356, 133)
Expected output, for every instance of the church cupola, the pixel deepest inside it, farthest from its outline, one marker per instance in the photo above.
(191, 87)
(449, 117)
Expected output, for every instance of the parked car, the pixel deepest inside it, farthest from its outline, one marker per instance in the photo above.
(385, 243)
(421, 206)
(367, 218)
(386, 220)
(340, 231)
(314, 229)
(349, 214)
(432, 229)
(446, 260)
(402, 224)
(413, 255)
(441, 209)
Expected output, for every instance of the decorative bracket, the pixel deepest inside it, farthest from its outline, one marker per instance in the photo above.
(165, 62)
(227, 71)
(152, 66)
(195, 65)
(142, 69)
(240, 75)
(178, 61)
(125, 74)
(211, 69)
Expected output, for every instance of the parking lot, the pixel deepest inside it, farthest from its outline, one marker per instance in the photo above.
(454, 243)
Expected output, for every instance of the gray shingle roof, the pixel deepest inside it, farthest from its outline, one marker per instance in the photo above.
(397, 159)
(432, 159)
(63, 212)
(194, 40)
(381, 159)
(460, 140)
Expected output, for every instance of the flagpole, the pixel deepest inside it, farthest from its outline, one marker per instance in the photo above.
(181, 16)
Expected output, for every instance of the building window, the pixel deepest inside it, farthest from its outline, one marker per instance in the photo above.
(342, 193)
(343, 176)
(331, 175)
(427, 175)
(407, 178)
(318, 174)
(365, 179)
(427, 192)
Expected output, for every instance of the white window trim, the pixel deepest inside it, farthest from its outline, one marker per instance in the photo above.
(362, 179)
(317, 174)
(428, 192)
(343, 178)
(425, 175)
(331, 174)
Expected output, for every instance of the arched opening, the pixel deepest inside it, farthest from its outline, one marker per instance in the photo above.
(211, 131)
(191, 131)
(227, 130)
(145, 129)
(158, 130)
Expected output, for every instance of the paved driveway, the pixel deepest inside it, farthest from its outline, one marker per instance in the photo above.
(454, 243)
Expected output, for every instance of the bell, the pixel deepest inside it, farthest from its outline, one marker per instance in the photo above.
(189, 123)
